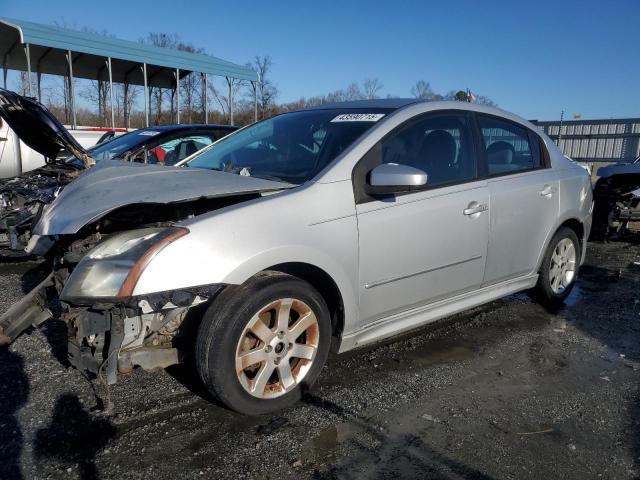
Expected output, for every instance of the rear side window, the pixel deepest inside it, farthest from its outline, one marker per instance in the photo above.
(509, 147)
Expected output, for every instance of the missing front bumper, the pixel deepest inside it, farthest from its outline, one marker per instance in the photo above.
(32, 310)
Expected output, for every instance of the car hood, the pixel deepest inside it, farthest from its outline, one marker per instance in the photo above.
(37, 127)
(619, 169)
(112, 184)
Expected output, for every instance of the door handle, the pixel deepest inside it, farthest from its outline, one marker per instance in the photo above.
(547, 191)
(475, 207)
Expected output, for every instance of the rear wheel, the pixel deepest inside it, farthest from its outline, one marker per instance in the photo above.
(559, 269)
(261, 345)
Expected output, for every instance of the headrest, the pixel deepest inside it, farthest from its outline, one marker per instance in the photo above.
(501, 153)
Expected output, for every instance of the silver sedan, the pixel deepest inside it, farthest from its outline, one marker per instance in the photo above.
(332, 227)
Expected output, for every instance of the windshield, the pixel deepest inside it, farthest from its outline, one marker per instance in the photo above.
(118, 146)
(292, 147)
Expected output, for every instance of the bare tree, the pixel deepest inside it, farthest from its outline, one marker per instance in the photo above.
(23, 84)
(190, 84)
(96, 92)
(371, 87)
(484, 100)
(221, 95)
(156, 94)
(353, 92)
(266, 90)
(423, 91)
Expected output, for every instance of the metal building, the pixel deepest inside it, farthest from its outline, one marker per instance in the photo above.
(32, 47)
(610, 140)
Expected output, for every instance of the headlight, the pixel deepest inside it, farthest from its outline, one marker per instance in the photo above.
(113, 268)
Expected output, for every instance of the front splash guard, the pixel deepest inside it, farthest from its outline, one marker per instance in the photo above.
(32, 310)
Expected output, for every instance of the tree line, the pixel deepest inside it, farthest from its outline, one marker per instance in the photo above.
(162, 101)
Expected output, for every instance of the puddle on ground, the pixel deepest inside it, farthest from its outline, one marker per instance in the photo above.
(574, 297)
(441, 351)
(325, 444)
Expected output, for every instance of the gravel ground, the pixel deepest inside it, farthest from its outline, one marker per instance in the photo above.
(508, 390)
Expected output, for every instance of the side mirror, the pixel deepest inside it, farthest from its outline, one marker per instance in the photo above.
(390, 178)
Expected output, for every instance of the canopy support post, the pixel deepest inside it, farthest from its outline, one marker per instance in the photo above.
(146, 96)
(39, 73)
(28, 55)
(204, 98)
(4, 71)
(113, 117)
(177, 95)
(230, 83)
(255, 101)
(72, 98)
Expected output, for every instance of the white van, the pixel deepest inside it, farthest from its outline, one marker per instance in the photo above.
(17, 158)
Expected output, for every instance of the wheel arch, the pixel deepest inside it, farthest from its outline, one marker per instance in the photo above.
(324, 284)
(572, 223)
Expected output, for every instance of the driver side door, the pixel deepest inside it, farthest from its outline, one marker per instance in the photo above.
(422, 246)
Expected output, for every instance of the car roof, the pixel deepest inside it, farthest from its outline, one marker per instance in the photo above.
(399, 103)
(393, 103)
(188, 126)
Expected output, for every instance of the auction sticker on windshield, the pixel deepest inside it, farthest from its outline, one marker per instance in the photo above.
(358, 117)
(149, 133)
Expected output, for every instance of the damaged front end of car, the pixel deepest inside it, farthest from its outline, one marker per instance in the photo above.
(100, 234)
(616, 201)
(22, 197)
(111, 330)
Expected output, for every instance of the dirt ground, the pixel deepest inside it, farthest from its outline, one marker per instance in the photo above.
(508, 390)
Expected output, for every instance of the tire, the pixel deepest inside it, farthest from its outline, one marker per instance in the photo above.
(246, 319)
(552, 289)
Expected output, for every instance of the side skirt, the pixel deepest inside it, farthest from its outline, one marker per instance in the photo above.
(420, 316)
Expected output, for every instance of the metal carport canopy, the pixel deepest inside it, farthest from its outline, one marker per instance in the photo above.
(48, 47)
(30, 47)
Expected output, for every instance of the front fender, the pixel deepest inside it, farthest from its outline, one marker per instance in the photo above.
(315, 225)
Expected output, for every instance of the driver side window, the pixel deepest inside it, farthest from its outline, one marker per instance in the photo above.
(441, 146)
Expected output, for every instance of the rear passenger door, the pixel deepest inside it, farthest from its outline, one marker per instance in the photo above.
(524, 197)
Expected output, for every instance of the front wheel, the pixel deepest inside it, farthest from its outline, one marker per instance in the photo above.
(559, 269)
(262, 344)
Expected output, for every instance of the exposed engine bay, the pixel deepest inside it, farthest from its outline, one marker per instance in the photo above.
(22, 198)
(617, 202)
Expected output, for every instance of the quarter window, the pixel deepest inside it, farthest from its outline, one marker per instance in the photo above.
(508, 147)
(438, 145)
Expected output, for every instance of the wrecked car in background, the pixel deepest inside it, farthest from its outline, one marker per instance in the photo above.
(21, 198)
(339, 225)
(616, 194)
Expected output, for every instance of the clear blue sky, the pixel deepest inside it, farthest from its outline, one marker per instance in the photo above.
(533, 58)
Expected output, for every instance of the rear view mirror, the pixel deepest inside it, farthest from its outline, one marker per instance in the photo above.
(395, 178)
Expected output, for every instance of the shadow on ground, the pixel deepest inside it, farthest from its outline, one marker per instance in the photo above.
(15, 392)
(73, 437)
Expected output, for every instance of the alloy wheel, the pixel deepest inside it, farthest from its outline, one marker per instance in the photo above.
(562, 269)
(277, 348)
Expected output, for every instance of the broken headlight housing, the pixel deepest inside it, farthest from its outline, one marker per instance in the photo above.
(113, 267)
